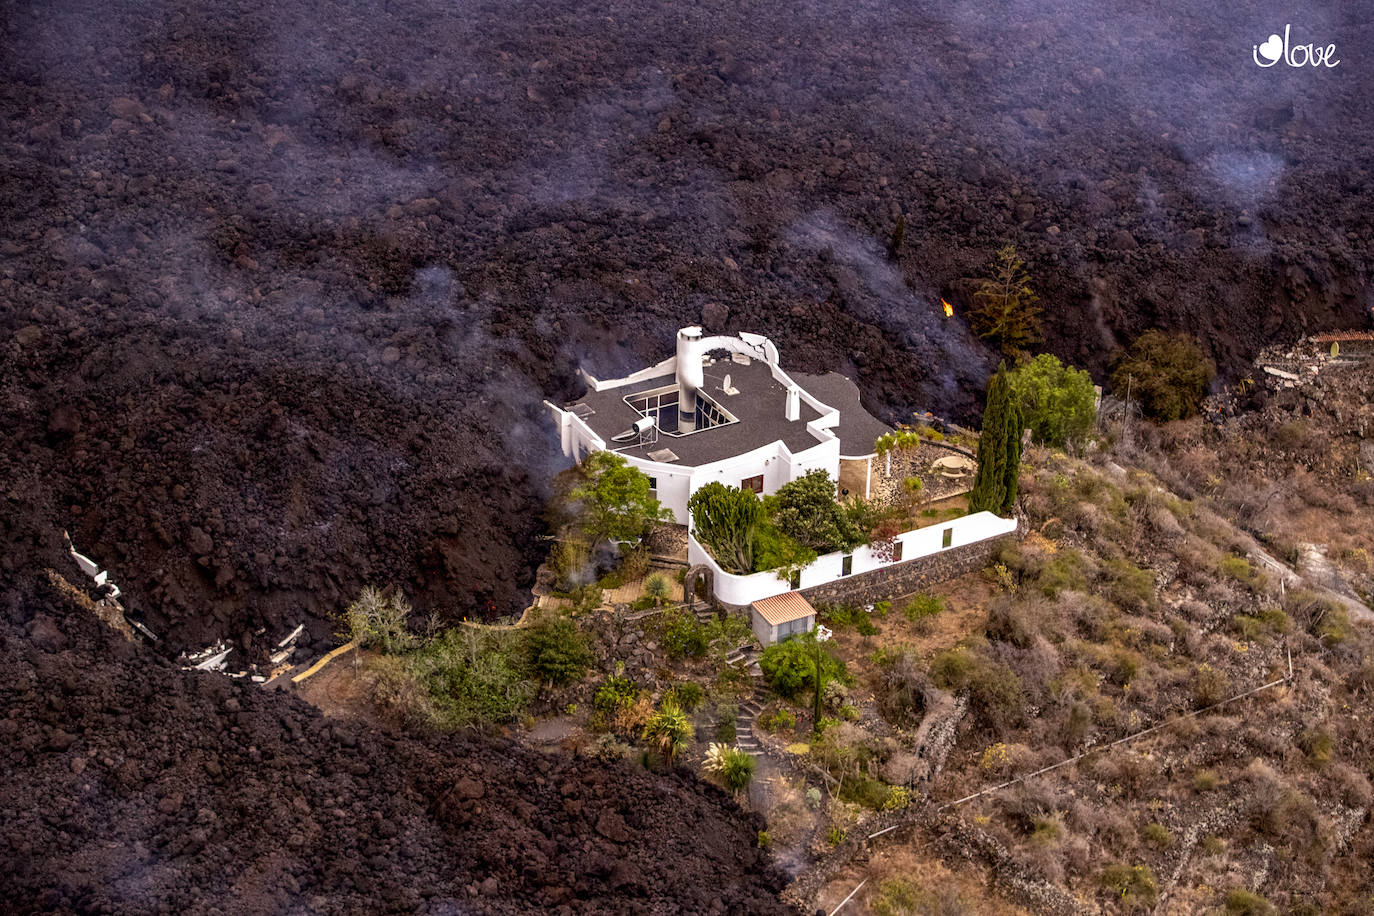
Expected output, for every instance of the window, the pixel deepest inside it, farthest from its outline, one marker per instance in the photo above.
(653, 483)
(897, 551)
(752, 483)
(795, 581)
(948, 539)
(847, 565)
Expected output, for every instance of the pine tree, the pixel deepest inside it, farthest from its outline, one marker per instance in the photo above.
(999, 450)
(1004, 310)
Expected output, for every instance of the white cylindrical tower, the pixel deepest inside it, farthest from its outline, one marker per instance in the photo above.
(690, 377)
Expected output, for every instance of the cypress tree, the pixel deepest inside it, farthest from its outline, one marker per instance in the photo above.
(999, 450)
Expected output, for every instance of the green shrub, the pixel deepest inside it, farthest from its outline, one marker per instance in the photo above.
(998, 695)
(668, 731)
(616, 692)
(864, 790)
(1317, 745)
(1333, 626)
(687, 694)
(951, 669)
(1158, 836)
(656, 587)
(765, 839)
(1266, 623)
(922, 606)
(684, 636)
(1237, 568)
(738, 769)
(782, 720)
(460, 678)
(1242, 902)
(1210, 686)
(1212, 845)
(727, 519)
(1066, 572)
(557, 650)
(880, 608)
(1128, 585)
(790, 666)
(1206, 780)
(727, 728)
(1134, 886)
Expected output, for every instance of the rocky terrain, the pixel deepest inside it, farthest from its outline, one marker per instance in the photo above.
(284, 284)
(133, 787)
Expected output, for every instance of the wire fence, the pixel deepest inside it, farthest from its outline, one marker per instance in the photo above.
(1075, 758)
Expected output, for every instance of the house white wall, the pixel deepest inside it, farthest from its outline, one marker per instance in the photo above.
(676, 482)
(741, 591)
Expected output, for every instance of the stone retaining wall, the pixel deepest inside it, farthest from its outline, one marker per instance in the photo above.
(904, 578)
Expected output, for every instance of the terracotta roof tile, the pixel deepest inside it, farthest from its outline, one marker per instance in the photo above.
(784, 608)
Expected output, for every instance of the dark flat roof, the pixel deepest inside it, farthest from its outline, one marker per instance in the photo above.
(760, 405)
(858, 429)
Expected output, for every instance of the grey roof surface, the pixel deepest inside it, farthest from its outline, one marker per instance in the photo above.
(760, 406)
(858, 429)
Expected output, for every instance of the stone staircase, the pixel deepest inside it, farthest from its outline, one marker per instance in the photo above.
(745, 739)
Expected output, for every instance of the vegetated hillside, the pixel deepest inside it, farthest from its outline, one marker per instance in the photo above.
(134, 787)
(285, 283)
(1135, 597)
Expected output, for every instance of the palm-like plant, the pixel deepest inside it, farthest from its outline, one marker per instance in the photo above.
(734, 766)
(668, 731)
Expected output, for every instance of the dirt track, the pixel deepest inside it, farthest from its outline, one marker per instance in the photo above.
(284, 284)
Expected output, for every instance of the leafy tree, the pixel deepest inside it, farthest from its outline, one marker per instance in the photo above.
(1004, 309)
(557, 650)
(377, 619)
(614, 501)
(668, 731)
(1167, 373)
(727, 519)
(1056, 401)
(999, 450)
(806, 511)
(790, 666)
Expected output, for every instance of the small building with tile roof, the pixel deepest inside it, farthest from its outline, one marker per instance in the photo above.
(776, 618)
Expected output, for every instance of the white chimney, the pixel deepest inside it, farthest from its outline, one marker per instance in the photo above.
(690, 377)
(793, 404)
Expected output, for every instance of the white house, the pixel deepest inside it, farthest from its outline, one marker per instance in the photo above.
(722, 409)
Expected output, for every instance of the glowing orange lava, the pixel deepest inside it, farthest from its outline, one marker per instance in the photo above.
(949, 309)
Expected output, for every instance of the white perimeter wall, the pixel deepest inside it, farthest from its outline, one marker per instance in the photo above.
(741, 591)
